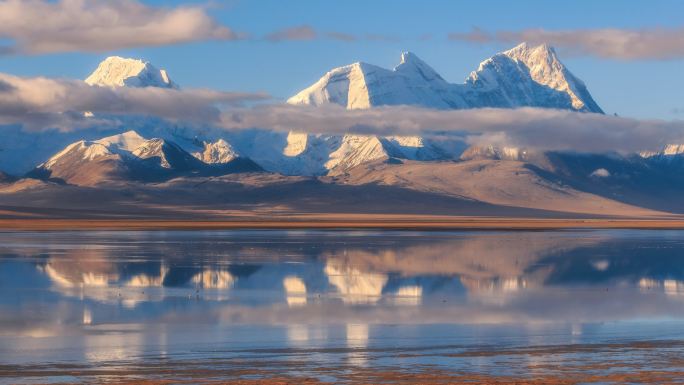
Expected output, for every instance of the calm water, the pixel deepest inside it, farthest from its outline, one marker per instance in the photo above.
(337, 305)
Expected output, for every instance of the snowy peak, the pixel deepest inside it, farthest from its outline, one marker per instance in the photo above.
(345, 86)
(528, 76)
(532, 54)
(545, 68)
(412, 64)
(116, 71)
(524, 76)
(219, 152)
(128, 141)
(362, 85)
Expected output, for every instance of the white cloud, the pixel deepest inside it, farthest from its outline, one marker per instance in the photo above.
(612, 43)
(39, 103)
(545, 129)
(40, 26)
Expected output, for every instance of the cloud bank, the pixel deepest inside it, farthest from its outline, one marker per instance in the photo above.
(40, 103)
(544, 129)
(41, 26)
(44, 103)
(610, 43)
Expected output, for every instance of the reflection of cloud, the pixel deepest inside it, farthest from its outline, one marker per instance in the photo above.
(295, 291)
(355, 286)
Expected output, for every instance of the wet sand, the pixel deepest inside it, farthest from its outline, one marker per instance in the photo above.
(352, 222)
(667, 370)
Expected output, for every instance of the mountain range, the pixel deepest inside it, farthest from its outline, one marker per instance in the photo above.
(525, 76)
(305, 172)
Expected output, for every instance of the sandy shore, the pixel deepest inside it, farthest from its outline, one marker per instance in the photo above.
(358, 222)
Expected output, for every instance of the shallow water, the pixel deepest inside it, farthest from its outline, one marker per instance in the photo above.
(340, 306)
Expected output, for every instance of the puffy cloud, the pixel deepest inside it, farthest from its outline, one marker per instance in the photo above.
(38, 103)
(41, 26)
(612, 43)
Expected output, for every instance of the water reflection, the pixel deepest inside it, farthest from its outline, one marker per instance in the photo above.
(114, 293)
(496, 277)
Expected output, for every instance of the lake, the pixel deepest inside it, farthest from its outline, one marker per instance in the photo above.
(595, 306)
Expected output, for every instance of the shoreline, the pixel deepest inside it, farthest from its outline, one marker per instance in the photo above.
(423, 224)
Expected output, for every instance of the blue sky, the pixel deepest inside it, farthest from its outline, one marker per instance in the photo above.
(644, 88)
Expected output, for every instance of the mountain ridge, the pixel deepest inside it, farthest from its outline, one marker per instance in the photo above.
(524, 76)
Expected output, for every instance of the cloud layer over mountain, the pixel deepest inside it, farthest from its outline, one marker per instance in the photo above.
(523, 127)
(39, 103)
(43, 103)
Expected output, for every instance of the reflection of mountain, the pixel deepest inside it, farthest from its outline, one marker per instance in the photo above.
(359, 269)
(405, 271)
(96, 275)
(354, 285)
(349, 278)
(482, 262)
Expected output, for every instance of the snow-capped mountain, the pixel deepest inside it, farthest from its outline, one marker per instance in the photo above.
(522, 76)
(526, 75)
(116, 71)
(296, 153)
(362, 85)
(129, 156)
